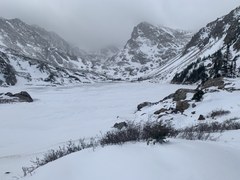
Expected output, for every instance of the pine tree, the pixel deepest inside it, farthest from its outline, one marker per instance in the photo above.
(218, 62)
(227, 65)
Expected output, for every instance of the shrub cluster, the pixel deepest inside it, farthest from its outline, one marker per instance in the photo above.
(126, 134)
(218, 113)
(157, 131)
(133, 132)
(203, 131)
(62, 151)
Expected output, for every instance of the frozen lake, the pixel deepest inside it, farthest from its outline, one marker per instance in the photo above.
(60, 114)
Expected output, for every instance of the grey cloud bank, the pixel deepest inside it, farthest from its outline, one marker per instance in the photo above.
(97, 23)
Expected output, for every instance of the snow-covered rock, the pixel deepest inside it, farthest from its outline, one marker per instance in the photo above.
(185, 107)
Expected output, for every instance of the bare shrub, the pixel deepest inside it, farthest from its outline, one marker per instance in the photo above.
(155, 131)
(218, 113)
(129, 133)
(190, 135)
(62, 151)
(203, 131)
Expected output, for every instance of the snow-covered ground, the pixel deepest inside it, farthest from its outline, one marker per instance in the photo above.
(180, 159)
(59, 114)
(217, 101)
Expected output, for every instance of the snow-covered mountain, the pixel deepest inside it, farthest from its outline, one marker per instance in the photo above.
(99, 57)
(213, 51)
(34, 54)
(35, 42)
(148, 48)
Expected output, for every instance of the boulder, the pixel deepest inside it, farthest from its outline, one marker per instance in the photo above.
(216, 82)
(180, 94)
(23, 96)
(181, 106)
(120, 125)
(18, 97)
(201, 118)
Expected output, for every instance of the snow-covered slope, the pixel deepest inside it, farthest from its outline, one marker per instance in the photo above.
(182, 109)
(148, 48)
(218, 37)
(18, 69)
(34, 55)
(32, 41)
(180, 159)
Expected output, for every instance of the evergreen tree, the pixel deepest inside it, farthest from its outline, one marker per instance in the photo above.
(227, 65)
(218, 62)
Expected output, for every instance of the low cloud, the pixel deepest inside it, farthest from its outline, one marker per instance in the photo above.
(97, 23)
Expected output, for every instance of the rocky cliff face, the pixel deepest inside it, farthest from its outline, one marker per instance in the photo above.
(225, 30)
(212, 52)
(7, 71)
(221, 39)
(148, 48)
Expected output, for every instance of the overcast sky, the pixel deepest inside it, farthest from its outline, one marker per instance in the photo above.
(97, 23)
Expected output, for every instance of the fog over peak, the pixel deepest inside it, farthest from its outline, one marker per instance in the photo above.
(98, 23)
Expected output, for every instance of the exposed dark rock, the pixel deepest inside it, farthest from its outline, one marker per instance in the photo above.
(181, 106)
(9, 94)
(198, 95)
(120, 125)
(18, 97)
(144, 104)
(23, 96)
(216, 82)
(201, 118)
(181, 94)
(194, 112)
(7, 70)
(194, 105)
(160, 111)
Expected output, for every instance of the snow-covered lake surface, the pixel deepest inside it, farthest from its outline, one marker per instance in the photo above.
(59, 114)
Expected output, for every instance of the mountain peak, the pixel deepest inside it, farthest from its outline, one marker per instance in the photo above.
(148, 48)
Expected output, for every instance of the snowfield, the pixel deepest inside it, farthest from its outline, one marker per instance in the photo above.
(60, 114)
(180, 159)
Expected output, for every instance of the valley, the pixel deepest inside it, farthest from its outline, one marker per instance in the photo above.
(165, 104)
